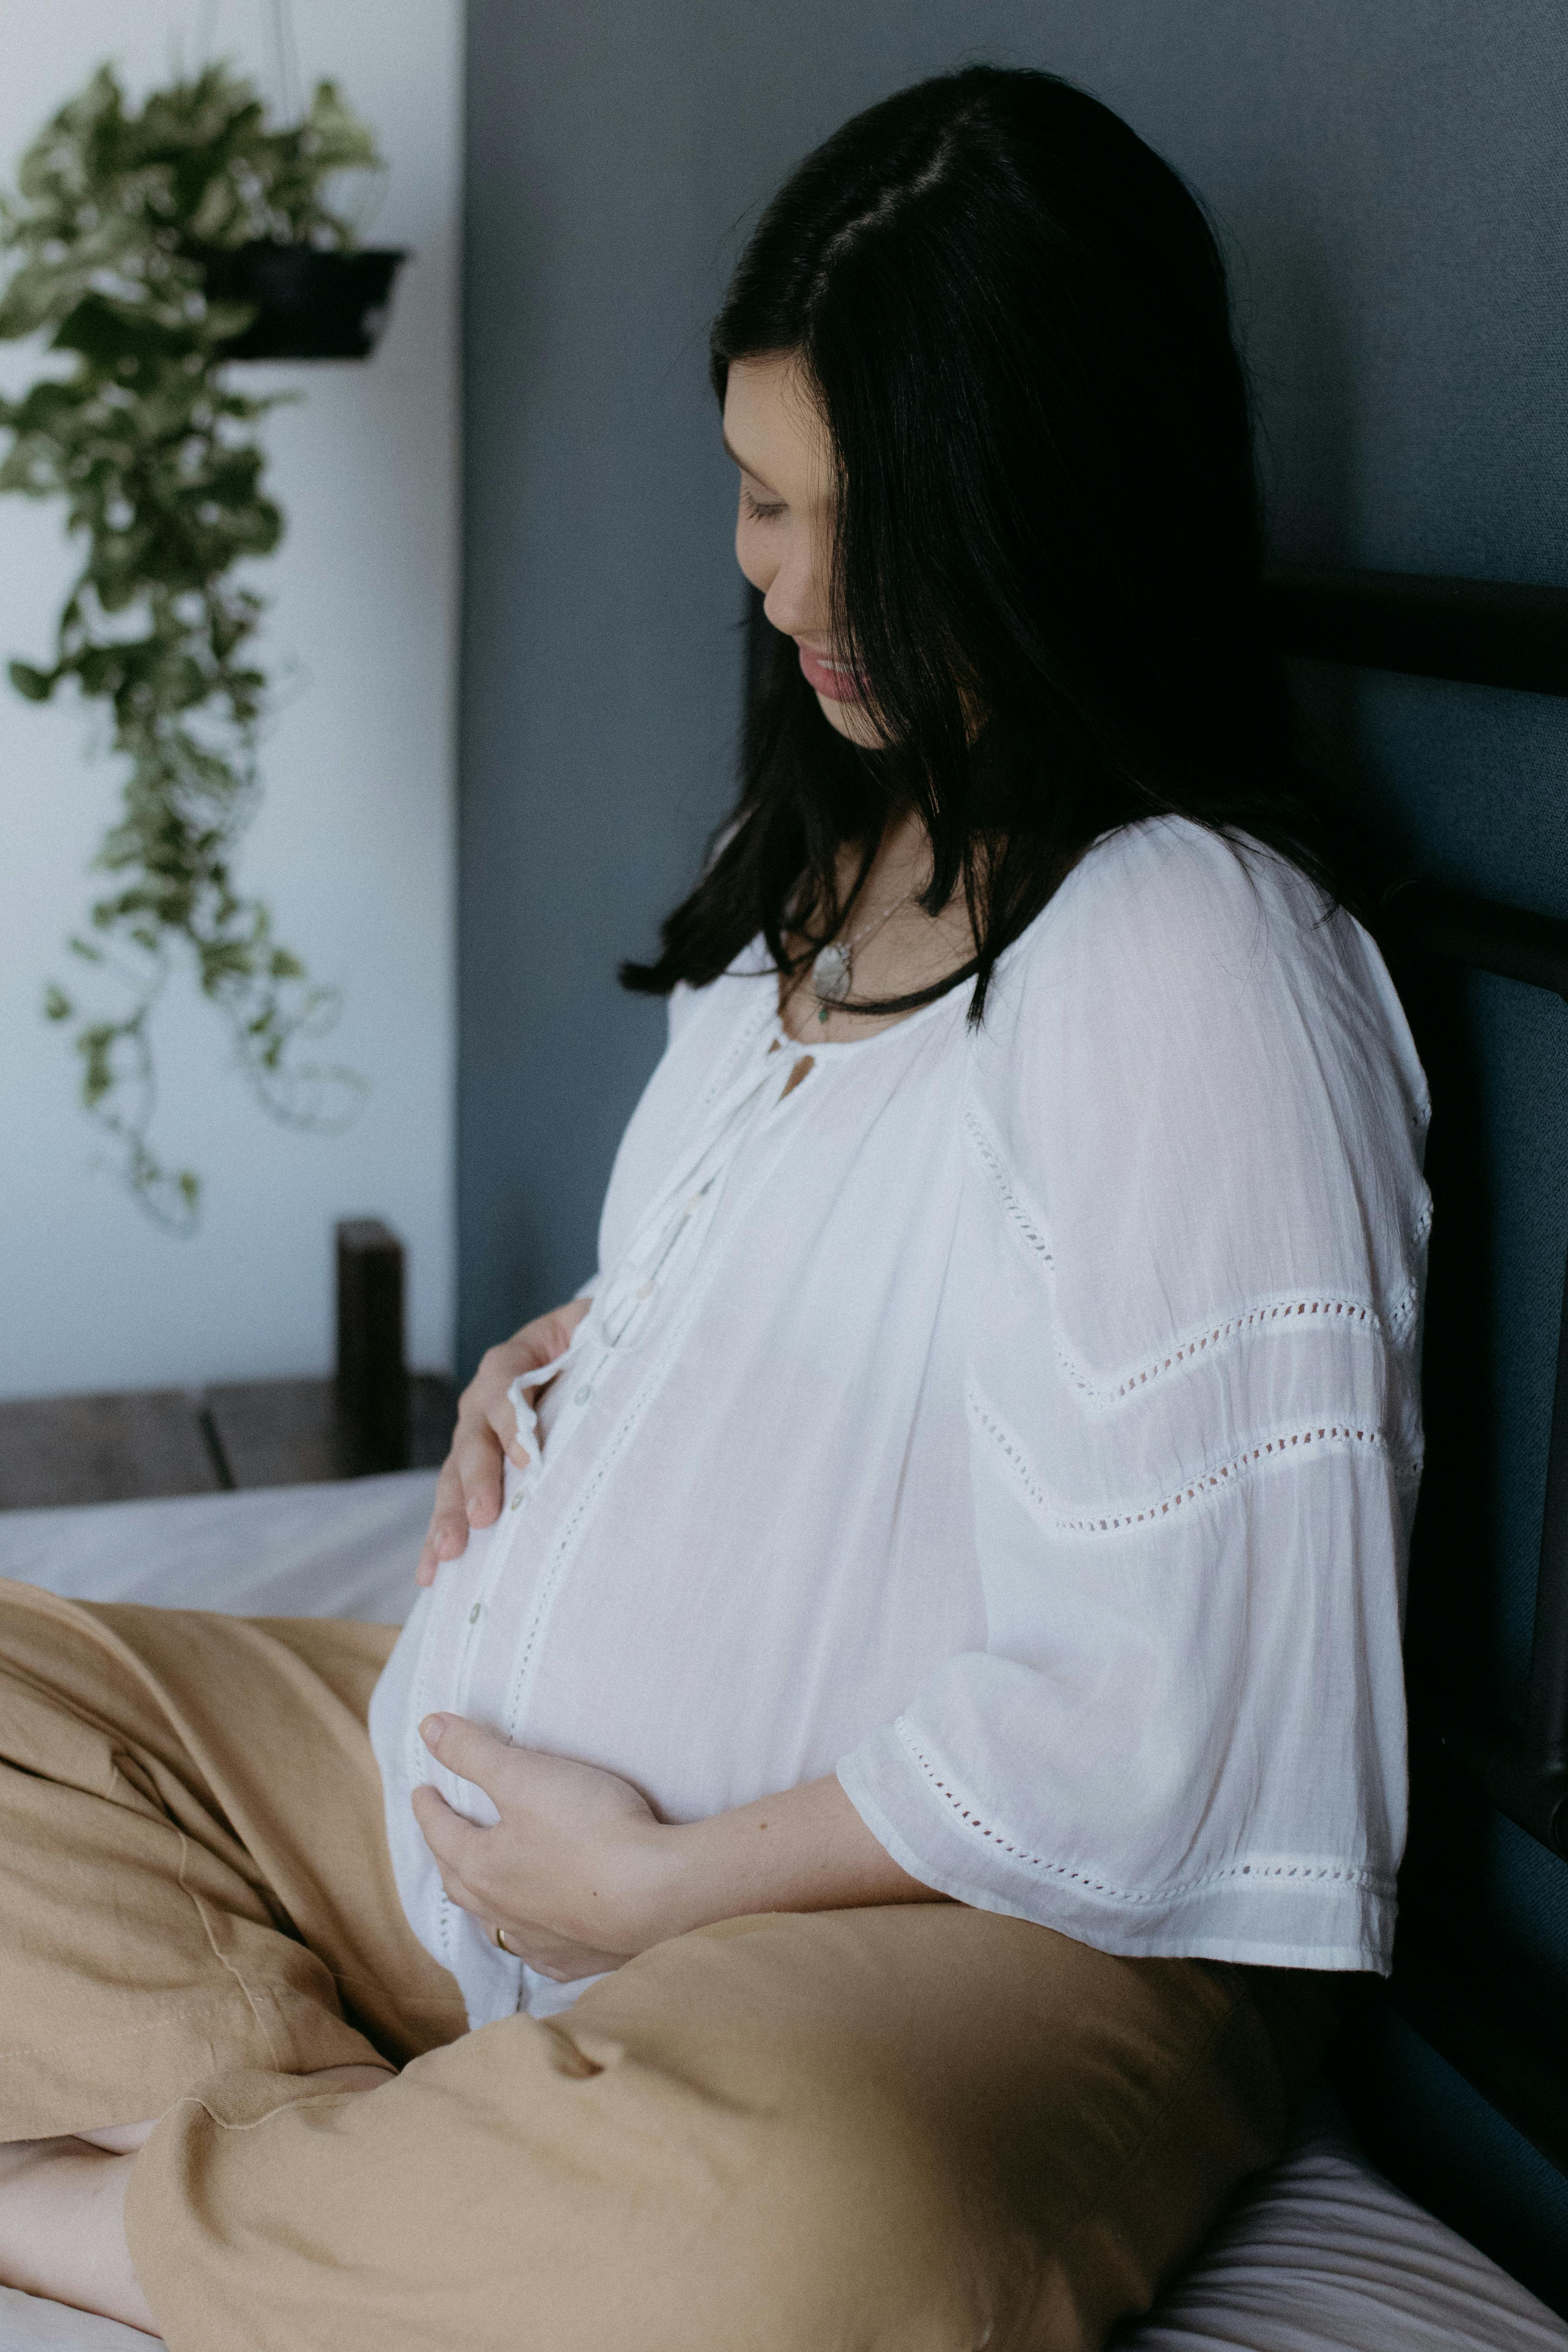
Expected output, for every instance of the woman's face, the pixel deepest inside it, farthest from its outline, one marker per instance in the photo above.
(784, 534)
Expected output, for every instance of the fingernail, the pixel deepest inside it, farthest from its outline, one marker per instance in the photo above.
(432, 1728)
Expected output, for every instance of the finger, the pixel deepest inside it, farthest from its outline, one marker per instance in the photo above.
(477, 1461)
(455, 1842)
(470, 1752)
(501, 1420)
(448, 1529)
(465, 1898)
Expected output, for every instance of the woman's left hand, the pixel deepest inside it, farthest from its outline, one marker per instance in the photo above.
(582, 1873)
(570, 1871)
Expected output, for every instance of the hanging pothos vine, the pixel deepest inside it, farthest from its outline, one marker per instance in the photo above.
(148, 443)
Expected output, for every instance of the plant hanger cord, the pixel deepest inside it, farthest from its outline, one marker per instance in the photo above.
(152, 450)
(286, 59)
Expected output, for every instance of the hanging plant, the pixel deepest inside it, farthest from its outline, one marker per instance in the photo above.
(141, 242)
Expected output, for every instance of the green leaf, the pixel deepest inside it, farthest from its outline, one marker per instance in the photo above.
(149, 446)
(120, 338)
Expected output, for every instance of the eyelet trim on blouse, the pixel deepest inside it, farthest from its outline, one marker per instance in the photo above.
(746, 1036)
(1019, 1217)
(1253, 1320)
(1328, 1436)
(1268, 1316)
(1373, 1882)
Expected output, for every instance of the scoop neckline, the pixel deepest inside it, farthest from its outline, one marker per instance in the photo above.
(773, 1027)
(840, 1045)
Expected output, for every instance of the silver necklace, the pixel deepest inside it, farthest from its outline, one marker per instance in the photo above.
(833, 967)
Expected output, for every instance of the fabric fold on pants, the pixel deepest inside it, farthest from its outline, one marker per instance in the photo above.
(919, 2128)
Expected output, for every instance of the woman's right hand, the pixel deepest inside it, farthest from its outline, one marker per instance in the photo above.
(468, 1490)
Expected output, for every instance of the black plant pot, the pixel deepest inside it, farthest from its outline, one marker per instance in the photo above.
(310, 304)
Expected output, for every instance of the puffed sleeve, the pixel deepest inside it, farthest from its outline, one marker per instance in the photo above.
(1191, 1253)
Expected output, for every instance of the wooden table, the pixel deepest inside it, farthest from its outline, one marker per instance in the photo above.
(112, 1449)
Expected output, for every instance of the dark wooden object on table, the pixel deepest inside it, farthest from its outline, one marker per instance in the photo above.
(372, 1375)
(375, 1415)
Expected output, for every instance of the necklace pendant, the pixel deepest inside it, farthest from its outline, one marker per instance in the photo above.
(830, 973)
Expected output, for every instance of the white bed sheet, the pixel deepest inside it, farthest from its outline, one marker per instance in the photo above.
(346, 1551)
(1321, 2254)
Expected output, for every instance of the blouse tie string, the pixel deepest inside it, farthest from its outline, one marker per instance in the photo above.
(651, 1244)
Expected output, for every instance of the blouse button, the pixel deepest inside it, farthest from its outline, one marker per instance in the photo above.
(517, 1500)
(474, 1614)
(581, 1396)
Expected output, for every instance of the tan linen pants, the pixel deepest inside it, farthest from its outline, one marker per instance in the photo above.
(914, 2129)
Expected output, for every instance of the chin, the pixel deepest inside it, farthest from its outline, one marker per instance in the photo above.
(849, 719)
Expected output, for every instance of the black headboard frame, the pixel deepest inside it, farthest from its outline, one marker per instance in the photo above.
(1491, 633)
(1455, 1979)
(1465, 1995)
(1478, 632)
(1522, 1769)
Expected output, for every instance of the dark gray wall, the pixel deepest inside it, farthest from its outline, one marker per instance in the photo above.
(1389, 176)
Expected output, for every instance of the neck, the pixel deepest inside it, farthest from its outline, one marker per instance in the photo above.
(900, 869)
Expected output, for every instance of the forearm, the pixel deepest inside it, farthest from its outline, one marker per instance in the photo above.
(807, 1850)
(581, 1874)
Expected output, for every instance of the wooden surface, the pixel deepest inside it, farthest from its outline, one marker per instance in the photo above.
(92, 1449)
(113, 1449)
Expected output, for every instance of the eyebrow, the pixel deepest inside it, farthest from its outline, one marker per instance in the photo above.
(731, 451)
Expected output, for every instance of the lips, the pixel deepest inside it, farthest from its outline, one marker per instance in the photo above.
(834, 679)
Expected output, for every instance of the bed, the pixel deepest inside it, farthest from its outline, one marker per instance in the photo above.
(1319, 2254)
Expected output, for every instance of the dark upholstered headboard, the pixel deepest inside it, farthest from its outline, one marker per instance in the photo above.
(1480, 1984)
(1479, 1971)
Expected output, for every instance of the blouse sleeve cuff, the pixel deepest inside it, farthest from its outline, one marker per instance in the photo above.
(1287, 1914)
(888, 1790)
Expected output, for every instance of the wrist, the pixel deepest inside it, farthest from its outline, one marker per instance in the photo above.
(620, 1898)
(652, 1897)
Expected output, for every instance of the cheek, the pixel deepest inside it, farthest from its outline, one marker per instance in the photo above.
(758, 562)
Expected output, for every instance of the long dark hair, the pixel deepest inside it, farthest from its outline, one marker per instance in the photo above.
(1014, 319)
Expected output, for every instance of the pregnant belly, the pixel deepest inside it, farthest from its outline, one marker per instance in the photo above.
(703, 1699)
(702, 1644)
(722, 1673)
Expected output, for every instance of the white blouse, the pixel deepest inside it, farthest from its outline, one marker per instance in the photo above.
(1021, 1420)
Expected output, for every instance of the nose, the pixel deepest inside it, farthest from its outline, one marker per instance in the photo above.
(791, 602)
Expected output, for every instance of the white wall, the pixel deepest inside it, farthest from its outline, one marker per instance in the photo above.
(353, 846)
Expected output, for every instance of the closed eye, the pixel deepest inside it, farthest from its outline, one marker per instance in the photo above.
(756, 510)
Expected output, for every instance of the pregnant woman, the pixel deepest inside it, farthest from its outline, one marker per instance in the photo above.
(904, 1721)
